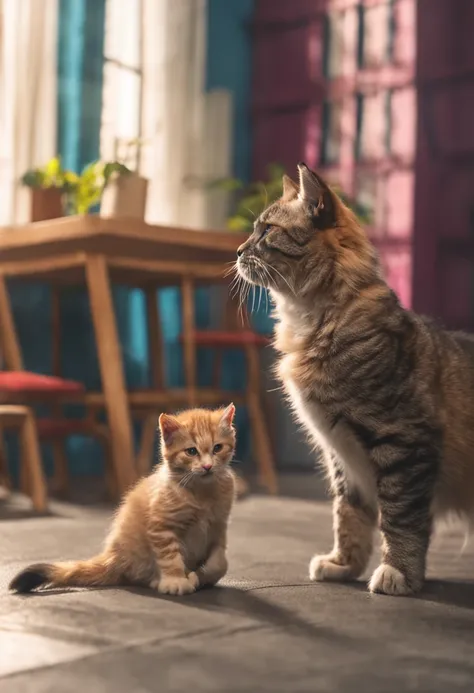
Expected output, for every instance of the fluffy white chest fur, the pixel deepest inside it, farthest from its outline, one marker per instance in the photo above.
(337, 439)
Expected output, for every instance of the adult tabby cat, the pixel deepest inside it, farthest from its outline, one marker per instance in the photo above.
(385, 394)
(170, 532)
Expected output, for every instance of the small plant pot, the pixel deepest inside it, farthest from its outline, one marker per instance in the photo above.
(125, 196)
(46, 203)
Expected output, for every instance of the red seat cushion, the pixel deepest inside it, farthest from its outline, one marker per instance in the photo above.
(24, 382)
(220, 338)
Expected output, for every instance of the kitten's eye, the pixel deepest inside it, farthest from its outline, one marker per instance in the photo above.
(192, 452)
(266, 230)
(217, 448)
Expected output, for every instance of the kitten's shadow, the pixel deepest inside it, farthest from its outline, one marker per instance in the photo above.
(244, 602)
(230, 600)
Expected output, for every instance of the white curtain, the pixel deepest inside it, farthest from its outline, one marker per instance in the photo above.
(175, 115)
(28, 45)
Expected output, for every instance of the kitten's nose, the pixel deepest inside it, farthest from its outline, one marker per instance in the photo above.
(207, 466)
(240, 250)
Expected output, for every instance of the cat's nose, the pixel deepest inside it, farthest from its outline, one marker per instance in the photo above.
(207, 466)
(240, 250)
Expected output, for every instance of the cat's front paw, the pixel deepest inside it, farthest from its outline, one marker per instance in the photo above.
(389, 580)
(327, 568)
(168, 584)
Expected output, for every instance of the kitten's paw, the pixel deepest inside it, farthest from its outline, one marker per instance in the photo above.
(326, 568)
(174, 585)
(388, 580)
(193, 579)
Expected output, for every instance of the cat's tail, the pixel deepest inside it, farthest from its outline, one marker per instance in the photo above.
(98, 571)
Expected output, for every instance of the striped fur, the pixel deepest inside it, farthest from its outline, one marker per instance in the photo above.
(386, 395)
(170, 533)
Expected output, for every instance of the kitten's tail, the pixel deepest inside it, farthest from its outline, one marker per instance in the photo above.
(95, 572)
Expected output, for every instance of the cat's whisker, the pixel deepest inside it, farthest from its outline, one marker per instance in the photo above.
(284, 279)
(235, 283)
(250, 212)
(229, 270)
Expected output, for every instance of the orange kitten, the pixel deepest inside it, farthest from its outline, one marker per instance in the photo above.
(171, 530)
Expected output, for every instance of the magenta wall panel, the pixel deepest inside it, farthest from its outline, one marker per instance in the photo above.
(287, 82)
(444, 203)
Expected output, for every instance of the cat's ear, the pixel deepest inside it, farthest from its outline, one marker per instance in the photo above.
(290, 189)
(228, 414)
(312, 187)
(168, 426)
(317, 195)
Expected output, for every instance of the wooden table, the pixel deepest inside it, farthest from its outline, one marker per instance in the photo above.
(96, 252)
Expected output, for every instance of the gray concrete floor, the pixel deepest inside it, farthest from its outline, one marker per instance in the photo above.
(266, 628)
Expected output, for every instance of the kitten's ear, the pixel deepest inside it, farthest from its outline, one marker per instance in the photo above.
(290, 189)
(317, 195)
(228, 414)
(168, 426)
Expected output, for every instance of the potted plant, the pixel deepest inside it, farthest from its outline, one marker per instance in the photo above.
(47, 185)
(253, 198)
(85, 190)
(126, 196)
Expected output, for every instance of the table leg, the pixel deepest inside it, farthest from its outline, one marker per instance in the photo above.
(263, 448)
(189, 344)
(145, 455)
(32, 463)
(8, 338)
(5, 485)
(60, 482)
(111, 369)
(155, 338)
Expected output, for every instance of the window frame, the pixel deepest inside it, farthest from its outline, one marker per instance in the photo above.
(138, 71)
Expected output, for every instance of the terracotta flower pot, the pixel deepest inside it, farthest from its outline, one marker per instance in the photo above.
(46, 204)
(125, 196)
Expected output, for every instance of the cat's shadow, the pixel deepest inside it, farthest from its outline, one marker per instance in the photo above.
(453, 592)
(458, 593)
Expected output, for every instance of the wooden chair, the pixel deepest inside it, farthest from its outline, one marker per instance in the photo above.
(26, 388)
(232, 336)
(22, 419)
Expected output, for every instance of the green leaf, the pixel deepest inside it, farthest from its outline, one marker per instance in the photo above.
(114, 167)
(275, 171)
(238, 223)
(33, 178)
(226, 184)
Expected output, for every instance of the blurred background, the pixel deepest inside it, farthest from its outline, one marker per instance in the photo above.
(183, 114)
